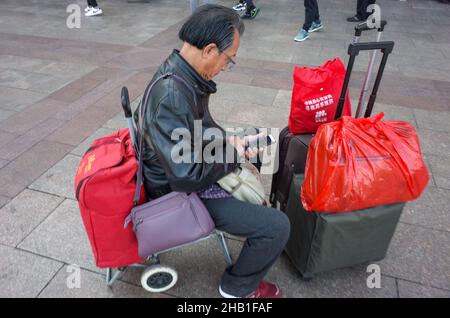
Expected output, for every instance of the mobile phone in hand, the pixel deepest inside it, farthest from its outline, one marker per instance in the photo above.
(261, 142)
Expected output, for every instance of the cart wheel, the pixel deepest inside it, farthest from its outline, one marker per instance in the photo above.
(158, 278)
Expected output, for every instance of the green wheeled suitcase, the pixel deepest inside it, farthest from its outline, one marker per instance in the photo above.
(321, 241)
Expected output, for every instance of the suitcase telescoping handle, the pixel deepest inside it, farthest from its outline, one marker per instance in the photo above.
(361, 27)
(125, 98)
(386, 48)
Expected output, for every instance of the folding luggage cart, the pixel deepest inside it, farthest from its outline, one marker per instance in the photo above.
(156, 277)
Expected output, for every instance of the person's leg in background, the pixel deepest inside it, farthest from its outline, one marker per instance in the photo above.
(361, 11)
(240, 6)
(266, 231)
(92, 9)
(90, 4)
(251, 10)
(316, 24)
(311, 16)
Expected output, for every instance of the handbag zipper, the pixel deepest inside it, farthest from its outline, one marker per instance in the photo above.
(141, 219)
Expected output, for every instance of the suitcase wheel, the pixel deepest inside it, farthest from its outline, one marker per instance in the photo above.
(306, 277)
(158, 278)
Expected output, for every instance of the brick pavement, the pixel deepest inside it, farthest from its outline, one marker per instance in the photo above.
(59, 89)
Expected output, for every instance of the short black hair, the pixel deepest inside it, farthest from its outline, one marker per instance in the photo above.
(211, 23)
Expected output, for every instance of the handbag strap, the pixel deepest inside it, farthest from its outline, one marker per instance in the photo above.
(139, 180)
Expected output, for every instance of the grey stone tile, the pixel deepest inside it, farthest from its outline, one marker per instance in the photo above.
(433, 73)
(5, 114)
(348, 282)
(63, 69)
(21, 215)
(6, 138)
(58, 180)
(391, 112)
(92, 285)
(22, 63)
(301, 59)
(440, 169)
(429, 210)
(413, 290)
(119, 121)
(426, 160)
(244, 94)
(62, 237)
(23, 143)
(15, 99)
(44, 66)
(81, 149)
(249, 114)
(4, 200)
(18, 174)
(41, 83)
(272, 54)
(24, 274)
(116, 123)
(434, 142)
(283, 99)
(201, 266)
(3, 163)
(427, 119)
(419, 254)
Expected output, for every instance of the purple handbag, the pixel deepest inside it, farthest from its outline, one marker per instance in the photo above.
(172, 220)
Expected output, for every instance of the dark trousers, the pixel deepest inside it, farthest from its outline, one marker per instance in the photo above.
(361, 9)
(92, 3)
(311, 13)
(250, 4)
(266, 231)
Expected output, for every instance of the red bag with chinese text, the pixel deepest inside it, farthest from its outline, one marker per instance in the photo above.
(315, 96)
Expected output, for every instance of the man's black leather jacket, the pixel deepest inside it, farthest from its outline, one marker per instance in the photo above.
(171, 105)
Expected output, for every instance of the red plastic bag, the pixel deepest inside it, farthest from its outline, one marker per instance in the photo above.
(354, 164)
(315, 96)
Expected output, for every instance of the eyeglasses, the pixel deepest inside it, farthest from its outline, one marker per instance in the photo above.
(230, 63)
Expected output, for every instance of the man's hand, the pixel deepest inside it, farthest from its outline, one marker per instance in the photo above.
(254, 151)
(240, 145)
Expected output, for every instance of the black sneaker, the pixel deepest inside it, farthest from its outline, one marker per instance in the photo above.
(354, 19)
(251, 14)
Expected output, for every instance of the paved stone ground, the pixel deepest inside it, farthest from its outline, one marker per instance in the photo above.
(59, 89)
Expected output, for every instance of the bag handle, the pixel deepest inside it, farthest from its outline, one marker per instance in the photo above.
(137, 193)
(386, 48)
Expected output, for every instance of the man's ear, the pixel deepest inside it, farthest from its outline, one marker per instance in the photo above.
(209, 50)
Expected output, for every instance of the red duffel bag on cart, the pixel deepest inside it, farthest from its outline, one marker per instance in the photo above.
(104, 187)
(354, 164)
(315, 96)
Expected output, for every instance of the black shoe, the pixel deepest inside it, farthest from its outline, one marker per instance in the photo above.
(354, 19)
(251, 14)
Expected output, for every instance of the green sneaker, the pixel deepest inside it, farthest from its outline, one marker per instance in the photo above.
(315, 27)
(301, 36)
(251, 14)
